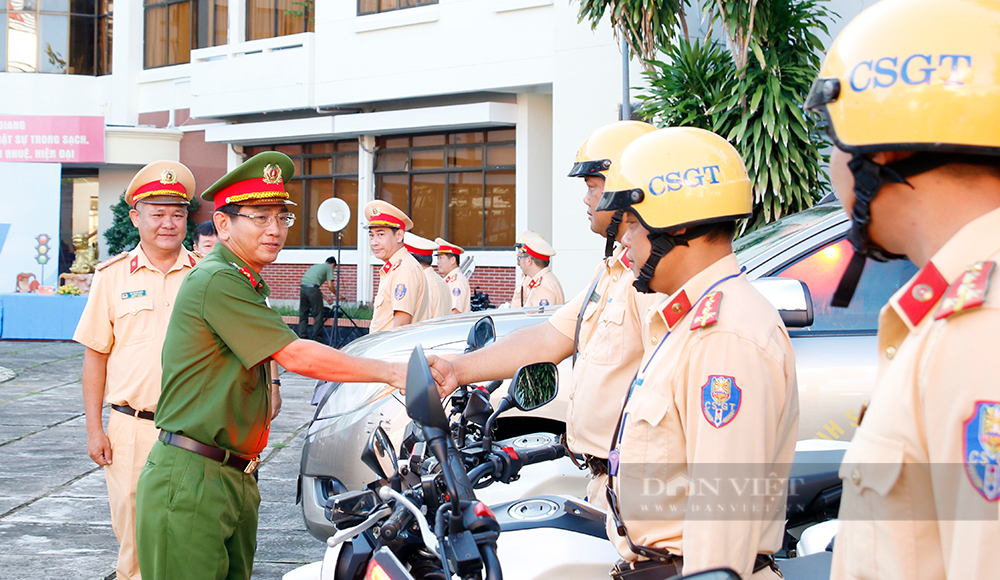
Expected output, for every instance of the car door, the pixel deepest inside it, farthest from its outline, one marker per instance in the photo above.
(836, 357)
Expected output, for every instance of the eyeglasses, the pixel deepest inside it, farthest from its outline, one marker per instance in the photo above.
(285, 220)
(657, 554)
(521, 257)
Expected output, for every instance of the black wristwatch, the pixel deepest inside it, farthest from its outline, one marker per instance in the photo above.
(276, 382)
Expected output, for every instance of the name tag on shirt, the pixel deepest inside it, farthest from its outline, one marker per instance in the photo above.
(133, 294)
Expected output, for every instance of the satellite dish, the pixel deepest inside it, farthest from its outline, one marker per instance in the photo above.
(333, 214)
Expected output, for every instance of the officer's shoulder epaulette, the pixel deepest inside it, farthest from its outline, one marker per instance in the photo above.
(967, 291)
(110, 261)
(707, 311)
(197, 254)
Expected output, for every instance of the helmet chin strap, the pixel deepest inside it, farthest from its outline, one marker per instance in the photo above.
(868, 180)
(662, 243)
(612, 232)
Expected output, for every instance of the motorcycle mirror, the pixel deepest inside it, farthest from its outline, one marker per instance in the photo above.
(351, 505)
(380, 455)
(534, 385)
(483, 332)
(790, 297)
(422, 402)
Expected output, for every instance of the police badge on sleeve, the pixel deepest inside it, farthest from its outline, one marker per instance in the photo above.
(400, 291)
(720, 400)
(982, 449)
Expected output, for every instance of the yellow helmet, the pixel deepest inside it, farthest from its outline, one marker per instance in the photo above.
(679, 177)
(914, 75)
(605, 144)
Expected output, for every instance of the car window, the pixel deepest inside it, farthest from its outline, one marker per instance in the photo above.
(756, 242)
(821, 271)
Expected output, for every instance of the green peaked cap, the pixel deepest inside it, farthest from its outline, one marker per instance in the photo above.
(259, 180)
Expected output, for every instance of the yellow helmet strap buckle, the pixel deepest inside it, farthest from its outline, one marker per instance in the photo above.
(612, 232)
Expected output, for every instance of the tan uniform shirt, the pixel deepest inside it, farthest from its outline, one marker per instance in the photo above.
(543, 289)
(461, 296)
(610, 348)
(921, 477)
(402, 288)
(716, 402)
(438, 294)
(126, 317)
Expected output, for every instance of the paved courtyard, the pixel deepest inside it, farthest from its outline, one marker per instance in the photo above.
(54, 517)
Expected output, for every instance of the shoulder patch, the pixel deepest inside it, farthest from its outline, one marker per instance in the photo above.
(456, 291)
(981, 449)
(400, 291)
(110, 261)
(543, 302)
(968, 291)
(720, 400)
(707, 311)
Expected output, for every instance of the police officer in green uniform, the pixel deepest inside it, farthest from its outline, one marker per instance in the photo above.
(197, 500)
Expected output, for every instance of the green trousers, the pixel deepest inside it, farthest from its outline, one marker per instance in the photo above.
(196, 519)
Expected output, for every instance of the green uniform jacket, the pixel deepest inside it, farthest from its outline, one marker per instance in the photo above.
(319, 274)
(215, 386)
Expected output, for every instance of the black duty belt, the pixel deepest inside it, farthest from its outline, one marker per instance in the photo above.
(310, 286)
(652, 570)
(147, 415)
(221, 455)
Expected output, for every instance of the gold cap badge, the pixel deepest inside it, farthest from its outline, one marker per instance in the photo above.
(168, 177)
(272, 174)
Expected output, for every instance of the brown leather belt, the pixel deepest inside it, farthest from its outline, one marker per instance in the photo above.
(221, 455)
(147, 415)
(598, 466)
(651, 570)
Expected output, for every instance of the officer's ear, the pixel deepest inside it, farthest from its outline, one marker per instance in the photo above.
(133, 214)
(399, 234)
(222, 223)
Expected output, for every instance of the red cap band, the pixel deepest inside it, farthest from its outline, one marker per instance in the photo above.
(158, 188)
(418, 251)
(534, 254)
(386, 221)
(251, 189)
(448, 250)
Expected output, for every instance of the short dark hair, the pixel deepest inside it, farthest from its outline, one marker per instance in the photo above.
(231, 208)
(331, 260)
(425, 260)
(205, 229)
(541, 263)
(722, 232)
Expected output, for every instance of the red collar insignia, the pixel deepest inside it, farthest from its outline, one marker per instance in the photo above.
(192, 260)
(968, 291)
(534, 282)
(246, 272)
(625, 261)
(922, 294)
(386, 267)
(133, 265)
(451, 277)
(707, 310)
(676, 309)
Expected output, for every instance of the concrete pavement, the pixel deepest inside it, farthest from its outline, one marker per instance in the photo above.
(54, 516)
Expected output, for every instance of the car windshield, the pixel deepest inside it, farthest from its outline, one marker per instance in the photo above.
(755, 243)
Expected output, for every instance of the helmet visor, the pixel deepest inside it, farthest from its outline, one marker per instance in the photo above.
(585, 168)
(621, 199)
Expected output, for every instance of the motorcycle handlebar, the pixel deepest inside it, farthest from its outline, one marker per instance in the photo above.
(491, 562)
(492, 386)
(547, 453)
(399, 519)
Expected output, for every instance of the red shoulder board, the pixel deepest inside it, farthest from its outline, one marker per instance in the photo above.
(397, 265)
(707, 311)
(133, 265)
(110, 261)
(968, 291)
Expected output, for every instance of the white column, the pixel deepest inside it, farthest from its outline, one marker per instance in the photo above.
(237, 21)
(366, 193)
(534, 165)
(126, 63)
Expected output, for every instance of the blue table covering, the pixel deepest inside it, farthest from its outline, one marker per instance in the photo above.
(35, 316)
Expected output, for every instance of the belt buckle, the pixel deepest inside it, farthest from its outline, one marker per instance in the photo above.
(252, 466)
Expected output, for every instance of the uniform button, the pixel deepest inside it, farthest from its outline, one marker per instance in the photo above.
(890, 352)
(614, 278)
(856, 476)
(653, 340)
(677, 308)
(583, 356)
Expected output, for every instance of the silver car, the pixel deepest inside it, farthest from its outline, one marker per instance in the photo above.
(835, 357)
